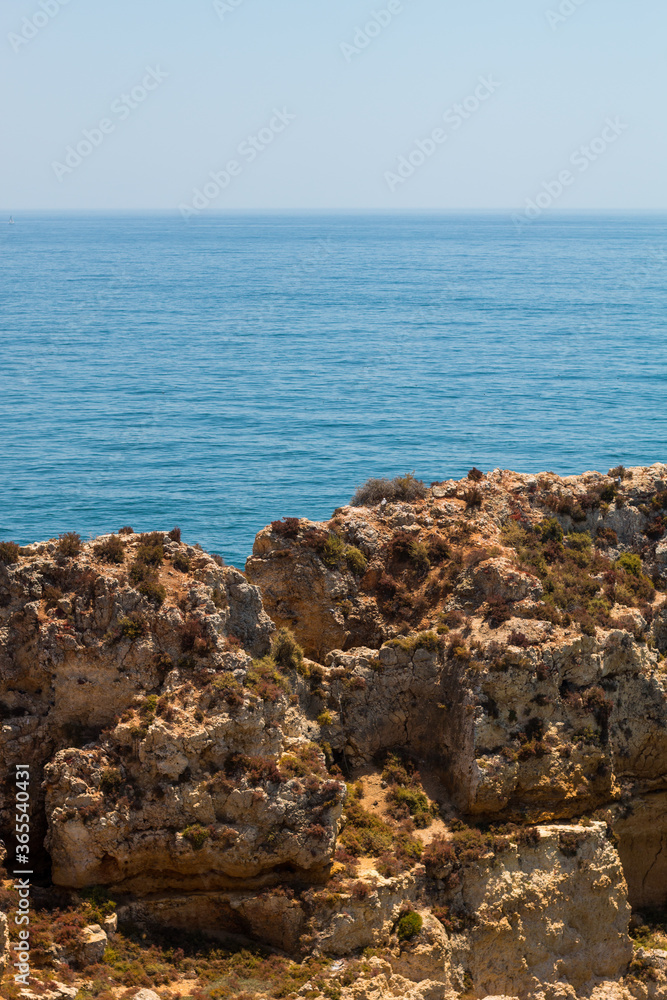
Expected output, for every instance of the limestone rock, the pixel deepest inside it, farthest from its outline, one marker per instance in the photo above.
(93, 945)
(54, 991)
(642, 832)
(497, 578)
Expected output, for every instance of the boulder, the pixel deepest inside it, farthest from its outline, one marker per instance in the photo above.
(94, 943)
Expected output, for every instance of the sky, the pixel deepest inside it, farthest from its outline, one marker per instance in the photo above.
(197, 106)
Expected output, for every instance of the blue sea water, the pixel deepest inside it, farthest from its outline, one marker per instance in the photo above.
(226, 372)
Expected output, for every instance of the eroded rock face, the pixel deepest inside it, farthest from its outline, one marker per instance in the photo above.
(531, 917)
(545, 915)
(79, 642)
(119, 816)
(533, 735)
(641, 828)
(506, 635)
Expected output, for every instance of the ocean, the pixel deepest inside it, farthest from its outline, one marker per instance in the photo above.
(229, 371)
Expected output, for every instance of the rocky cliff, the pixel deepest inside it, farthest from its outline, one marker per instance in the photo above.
(433, 726)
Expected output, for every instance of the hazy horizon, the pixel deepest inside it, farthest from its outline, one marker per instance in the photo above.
(399, 106)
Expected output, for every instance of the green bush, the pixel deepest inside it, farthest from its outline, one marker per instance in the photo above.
(409, 926)
(9, 552)
(286, 651)
(551, 531)
(266, 681)
(151, 549)
(579, 541)
(153, 590)
(130, 628)
(631, 563)
(181, 562)
(111, 779)
(411, 802)
(333, 551)
(356, 560)
(196, 836)
(364, 833)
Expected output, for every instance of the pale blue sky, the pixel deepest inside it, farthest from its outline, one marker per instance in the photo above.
(554, 87)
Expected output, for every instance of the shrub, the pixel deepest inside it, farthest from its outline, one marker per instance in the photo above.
(469, 845)
(131, 628)
(9, 552)
(111, 779)
(409, 926)
(151, 549)
(69, 544)
(262, 770)
(228, 689)
(403, 548)
(579, 541)
(631, 563)
(333, 551)
(568, 843)
(175, 535)
(286, 651)
(473, 498)
(475, 475)
(196, 836)
(608, 535)
(550, 530)
(361, 890)
(266, 680)
(356, 560)
(438, 857)
(619, 472)
(374, 491)
(181, 562)
(153, 590)
(287, 528)
(364, 833)
(528, 836)
(127, 530)
(325, 718)
(304, 761)
(111, 550)
(411, 802)
(418, 640)
(193, 637)
(437, 549)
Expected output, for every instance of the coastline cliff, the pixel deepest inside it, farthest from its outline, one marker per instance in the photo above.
(416, 750)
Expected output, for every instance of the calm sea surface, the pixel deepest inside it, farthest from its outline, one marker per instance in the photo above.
(227, 372)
